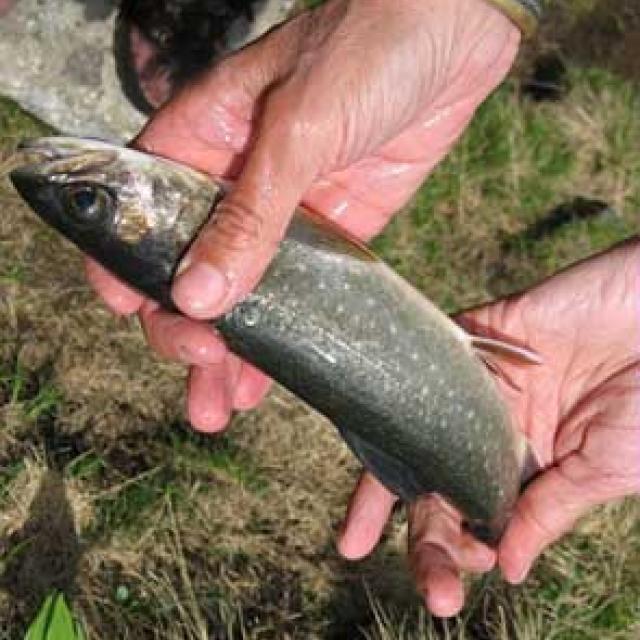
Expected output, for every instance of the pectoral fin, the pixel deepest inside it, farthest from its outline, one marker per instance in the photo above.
(492, 348)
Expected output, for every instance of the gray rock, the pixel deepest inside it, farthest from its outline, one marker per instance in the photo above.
(57, 62)
(59, 65)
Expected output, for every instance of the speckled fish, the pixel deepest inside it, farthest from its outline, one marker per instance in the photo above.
(329, 321)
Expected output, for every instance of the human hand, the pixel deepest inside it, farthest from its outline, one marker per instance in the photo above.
(580, 411)
(346, 108)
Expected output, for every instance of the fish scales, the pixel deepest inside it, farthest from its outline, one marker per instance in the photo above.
(351, 338)
(329, 321)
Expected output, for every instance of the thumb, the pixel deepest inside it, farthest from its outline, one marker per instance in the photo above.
(234, 248)
(548, 508)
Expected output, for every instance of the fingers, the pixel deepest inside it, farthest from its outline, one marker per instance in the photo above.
(210, 126)
(439, 549)
(214, 391)
(367, 514)
(210, 395)
(208, 123)
(178, 338)
(547, 510)
(116, 295)
(232, 252)
(438, 580)
(435, 523)
(251, 388)
(218, 382)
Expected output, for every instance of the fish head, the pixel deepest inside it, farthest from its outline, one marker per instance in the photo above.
(133, 212)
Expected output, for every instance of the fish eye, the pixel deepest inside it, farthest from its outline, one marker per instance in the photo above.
(88, 204)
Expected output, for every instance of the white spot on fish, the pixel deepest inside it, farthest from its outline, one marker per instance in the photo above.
(327, 356)
(249, 316)
(414, 356)
(433, 367)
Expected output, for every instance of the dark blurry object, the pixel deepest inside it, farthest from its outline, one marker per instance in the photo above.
(599, 33)
(566, 213)
(515, 265)
(548, 81)
(182, 38)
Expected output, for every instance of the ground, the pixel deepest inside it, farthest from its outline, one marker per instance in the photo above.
(155, 532)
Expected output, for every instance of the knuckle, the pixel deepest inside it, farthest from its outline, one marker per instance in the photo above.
(235, 227)
(288, 111)
(536, 521)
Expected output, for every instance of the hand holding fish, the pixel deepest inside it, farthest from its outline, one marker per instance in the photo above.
(346, 108)
(580, 411)
(366, 161)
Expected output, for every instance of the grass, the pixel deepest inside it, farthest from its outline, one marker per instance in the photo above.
(175, 535)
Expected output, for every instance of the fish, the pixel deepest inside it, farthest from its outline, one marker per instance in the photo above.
(404, 385)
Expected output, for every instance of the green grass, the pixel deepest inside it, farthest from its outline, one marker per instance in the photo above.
(16, 125)
(55, 621)
(35, 396)
(125, 503)
(207, 457)
(125, 506)
(86, 466)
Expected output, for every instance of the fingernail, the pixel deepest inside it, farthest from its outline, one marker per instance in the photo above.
(185, 263)
(209, 421)
(200, 289)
